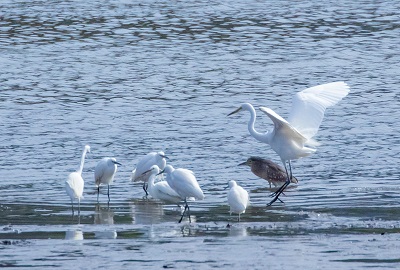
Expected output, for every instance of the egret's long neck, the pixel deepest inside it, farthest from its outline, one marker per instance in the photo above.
(257, 135)
(152, 178)
(82, 161)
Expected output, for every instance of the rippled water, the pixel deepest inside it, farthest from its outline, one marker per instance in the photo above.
(130, 77)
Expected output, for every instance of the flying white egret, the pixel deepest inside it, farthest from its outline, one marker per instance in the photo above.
(288, 138)
(161, 190)
(104, 174)
(74, 184)
(238, 198)
(185, 184)
(144, 165)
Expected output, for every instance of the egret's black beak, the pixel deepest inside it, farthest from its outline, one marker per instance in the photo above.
(160, 172)
(115, 162)
(235, 111)
(145, 172)
(164, 156)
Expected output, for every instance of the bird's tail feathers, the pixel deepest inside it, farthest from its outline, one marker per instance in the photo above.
(313, 143)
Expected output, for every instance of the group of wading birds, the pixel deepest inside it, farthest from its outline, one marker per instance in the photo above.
(290, 139)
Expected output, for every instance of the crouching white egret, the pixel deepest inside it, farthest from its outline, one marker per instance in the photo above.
(104, 174)
(74, 184)
(144, 165)
(238, 198)
(288, 138)
(161, 190)
(185, 184)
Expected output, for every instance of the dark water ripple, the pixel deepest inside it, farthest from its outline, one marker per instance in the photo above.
(130, 77)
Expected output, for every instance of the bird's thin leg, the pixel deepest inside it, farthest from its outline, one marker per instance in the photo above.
(98, 192)
(282, 188)
(79, 207)
(184, 211)
(145, 188)
(108, 193)
(190, 221)
(72, 204)
(239, 218)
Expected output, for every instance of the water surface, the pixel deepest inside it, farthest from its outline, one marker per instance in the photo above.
(130, 77)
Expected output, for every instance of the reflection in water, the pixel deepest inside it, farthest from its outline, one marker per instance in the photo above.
(238, 231)
(103, 215)
(145, 211)
(106, 234)
(74, 235)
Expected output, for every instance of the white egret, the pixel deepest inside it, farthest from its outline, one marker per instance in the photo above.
(185, 184)
(74, 184)
(144, 165)
(104, 174)
(161, 190)
(288, 138)
(238, 198)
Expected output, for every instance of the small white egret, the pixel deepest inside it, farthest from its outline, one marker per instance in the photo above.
(74, 184)
(185, 184)
(238, 198)
(288, 138)
(144, 165)
(161, 190)
(104, 174)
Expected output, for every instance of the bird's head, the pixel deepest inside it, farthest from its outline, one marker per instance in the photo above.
(153, 169)
(244, 106)
(87, 148)
(232, 183)
(248, 162)
(162, 155)
(114, 161)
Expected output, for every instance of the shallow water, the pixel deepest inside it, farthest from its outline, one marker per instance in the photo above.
(133, 77)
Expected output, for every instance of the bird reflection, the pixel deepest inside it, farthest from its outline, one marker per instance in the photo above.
(145, 211)
(238, 231)
(106, 234)
(103, 215)
(74, 235)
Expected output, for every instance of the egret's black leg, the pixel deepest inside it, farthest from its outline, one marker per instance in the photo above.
(145, 188)
(72, 204)
(184, 211)
(108, 193)
(282, 188)
(98, 192)
(190, 221)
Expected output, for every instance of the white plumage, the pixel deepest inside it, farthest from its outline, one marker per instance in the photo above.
(144, 165)
(104, 173)
(185, 184)
(161, 190)
(75, 184)
(238, 198)
(288, 138)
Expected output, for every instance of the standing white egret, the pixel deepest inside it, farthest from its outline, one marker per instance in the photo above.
(161, 190)
(185, 184)
(288, 138)
(144, 164)
(238, 198)
(104, 174)
(74, 184)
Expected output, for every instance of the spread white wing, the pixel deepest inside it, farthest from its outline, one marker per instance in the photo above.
(309, 105)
